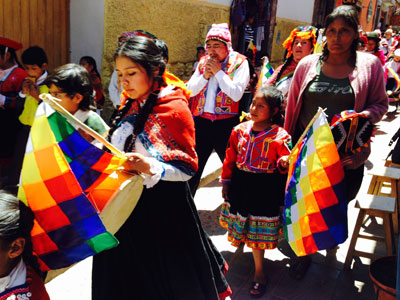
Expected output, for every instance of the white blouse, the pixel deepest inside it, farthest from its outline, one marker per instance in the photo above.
(161, 170)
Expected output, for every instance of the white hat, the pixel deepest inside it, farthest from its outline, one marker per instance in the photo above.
(397, 52)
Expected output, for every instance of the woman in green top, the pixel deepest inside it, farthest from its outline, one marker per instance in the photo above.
(340, 79)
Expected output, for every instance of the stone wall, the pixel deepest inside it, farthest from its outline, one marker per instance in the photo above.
(181, 24)
(282, 29)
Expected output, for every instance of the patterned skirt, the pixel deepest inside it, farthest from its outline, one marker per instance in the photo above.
(251, 215)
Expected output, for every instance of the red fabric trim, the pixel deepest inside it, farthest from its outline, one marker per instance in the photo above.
(214, 117)
(33, 289)
(225, 268)
(36, 285)
(225, 294)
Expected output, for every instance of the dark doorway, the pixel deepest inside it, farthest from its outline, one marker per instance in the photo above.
(322, 8)
(260, 15)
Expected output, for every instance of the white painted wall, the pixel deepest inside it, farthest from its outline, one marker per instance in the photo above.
(296, 10)
(87, 30)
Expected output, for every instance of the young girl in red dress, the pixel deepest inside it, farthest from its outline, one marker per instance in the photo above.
(255, 160)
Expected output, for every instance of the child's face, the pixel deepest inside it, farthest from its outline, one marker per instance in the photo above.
(396, 58)
(70, 104)
(85, 64)
(9, 254)
(371, 45)
(133, 78)
(34, 70)
(201, 53)
(259, 110)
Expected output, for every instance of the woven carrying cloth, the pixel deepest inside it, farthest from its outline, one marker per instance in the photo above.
(351, 131)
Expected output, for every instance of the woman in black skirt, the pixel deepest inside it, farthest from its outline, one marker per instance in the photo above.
(164, 253)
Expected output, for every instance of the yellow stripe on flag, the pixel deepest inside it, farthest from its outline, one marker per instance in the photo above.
(43, 137)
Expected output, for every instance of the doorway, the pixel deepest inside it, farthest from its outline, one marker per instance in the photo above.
(262, 14)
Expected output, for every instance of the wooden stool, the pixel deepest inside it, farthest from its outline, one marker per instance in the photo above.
(378, 206)
(387, 178)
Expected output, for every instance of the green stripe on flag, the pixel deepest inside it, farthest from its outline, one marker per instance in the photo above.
(102, 241)
(60, 127)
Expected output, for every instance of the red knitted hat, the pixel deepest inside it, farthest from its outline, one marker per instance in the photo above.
(219, 32)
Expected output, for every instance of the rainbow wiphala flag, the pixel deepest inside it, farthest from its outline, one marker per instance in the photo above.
(266, 72)
(396, 78)
(60, 170)
(315, 214)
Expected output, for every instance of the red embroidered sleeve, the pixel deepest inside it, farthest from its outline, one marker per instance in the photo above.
(283, 150)
(230, 157)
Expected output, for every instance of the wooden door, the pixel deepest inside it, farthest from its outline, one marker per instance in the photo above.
(43, 23)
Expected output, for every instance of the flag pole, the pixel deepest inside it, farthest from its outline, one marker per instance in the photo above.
(53, 103)
(320, 110)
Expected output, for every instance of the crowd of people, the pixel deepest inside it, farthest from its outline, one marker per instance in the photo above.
(168, 130)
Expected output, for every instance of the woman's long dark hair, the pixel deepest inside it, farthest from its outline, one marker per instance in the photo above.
(142, 51)
(350, 16)
(16, 220)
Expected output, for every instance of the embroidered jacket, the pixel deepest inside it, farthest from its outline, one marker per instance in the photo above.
(223, 104)
(258, 153)
(33, 289)
(10, 86)
(168, 133)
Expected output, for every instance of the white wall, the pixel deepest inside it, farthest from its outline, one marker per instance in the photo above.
(87, 30)
(296, 10)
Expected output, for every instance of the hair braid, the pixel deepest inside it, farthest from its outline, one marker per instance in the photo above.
(284, 66)
(120, 114)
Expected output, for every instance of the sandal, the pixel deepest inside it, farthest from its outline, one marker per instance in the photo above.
(258, 288)
(299, 268)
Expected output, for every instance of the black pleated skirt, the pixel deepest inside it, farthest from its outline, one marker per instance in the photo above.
(164, 252)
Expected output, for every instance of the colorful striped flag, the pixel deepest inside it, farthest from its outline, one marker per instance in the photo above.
(319, 45)
(266, 73)
(253, 49)
(59, 172)
(396, 78)
(315, 214)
